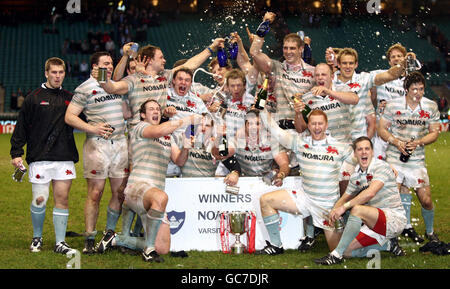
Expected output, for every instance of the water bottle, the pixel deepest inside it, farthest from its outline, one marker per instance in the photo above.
(134, 49)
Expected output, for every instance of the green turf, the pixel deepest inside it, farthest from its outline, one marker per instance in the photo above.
(16, 229)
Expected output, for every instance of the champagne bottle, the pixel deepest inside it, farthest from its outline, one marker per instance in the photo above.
(223, 147)
(233, 50)
(307, 54)
(305, 112)
(405, 157)
(262, 95)
(263, 28)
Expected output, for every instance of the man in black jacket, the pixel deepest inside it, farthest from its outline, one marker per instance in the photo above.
(51, 152)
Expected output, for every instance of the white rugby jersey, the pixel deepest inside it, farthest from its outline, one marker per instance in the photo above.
(257, 159)
(320, 163)
(360, 84)
(236, 112)
(388, 196)
(186, 105)
(407, 123)
(287, 83)
(142, 87)
(199, 163)
(150, 157)
(390, 90)
(99, 106)
(338, 113)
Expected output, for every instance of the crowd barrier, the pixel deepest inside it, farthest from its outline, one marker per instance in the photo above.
(195, 205)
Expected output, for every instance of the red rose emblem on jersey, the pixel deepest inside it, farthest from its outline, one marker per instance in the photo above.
(331, 98)
(94, 92)
(69, 172)
(190, 104)
(369, 177)
(94, 172)
(38, 176)
(307, 73)
(358, 183)
(354, 85)
(264, 149)
(346, 174)
(167, 137)
(168, 97)
(271, 97)
(306, 146)
(420, 181)
(161, 79)
(398, 112)
(332, 150)
(380, 157)
(242, 107)
(310, 102)
(424, 114)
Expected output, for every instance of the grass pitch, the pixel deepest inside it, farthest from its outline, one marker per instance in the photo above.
(16, 229)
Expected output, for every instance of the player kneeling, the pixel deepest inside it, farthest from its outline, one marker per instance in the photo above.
(373, 199)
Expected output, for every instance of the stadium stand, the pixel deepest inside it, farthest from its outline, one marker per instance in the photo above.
(27, 46)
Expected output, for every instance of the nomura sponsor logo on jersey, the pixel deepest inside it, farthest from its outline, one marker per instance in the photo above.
(297, 79)
(330, 106)
(318, 157)
(108, 97)
(154, 87)
(198, 155)
(400, 92)
(417, 122)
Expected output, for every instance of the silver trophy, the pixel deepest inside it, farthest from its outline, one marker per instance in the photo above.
(237, 222)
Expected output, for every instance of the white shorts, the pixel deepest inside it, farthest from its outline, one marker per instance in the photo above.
(308, 207)
(412, 178)
(395, 223)
(134, 195)
(43, 172)
(105, 158)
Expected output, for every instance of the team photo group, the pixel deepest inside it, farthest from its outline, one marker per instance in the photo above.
(355, 140)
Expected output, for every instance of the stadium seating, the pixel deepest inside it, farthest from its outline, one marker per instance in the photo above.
(26, 47)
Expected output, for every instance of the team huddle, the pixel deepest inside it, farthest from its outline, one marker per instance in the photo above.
(355, 139)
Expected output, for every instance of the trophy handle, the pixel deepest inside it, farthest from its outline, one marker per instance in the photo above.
(224, 233)
(251, 232)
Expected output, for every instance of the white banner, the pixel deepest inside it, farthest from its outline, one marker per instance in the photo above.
(194, 212)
